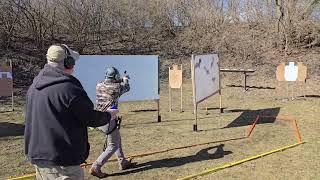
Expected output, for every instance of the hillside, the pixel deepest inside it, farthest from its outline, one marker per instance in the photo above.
(28, 60)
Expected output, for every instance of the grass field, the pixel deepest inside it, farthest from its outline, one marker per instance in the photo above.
(141, 133)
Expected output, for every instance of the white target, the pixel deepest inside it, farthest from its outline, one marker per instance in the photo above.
(206, 76)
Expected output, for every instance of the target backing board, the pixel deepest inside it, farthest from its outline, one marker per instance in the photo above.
(291, 72)
(175, 76)
(205, 75)
(142, 69)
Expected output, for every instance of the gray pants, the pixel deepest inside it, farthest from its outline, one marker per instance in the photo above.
(114, 146)
(48, 172)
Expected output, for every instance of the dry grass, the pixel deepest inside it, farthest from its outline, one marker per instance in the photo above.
(141, 133)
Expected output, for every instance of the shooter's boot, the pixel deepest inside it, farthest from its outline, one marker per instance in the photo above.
(97, 173)
(127, 164)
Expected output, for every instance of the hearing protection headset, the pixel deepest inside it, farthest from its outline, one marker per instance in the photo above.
(69, 61)
(113, 73)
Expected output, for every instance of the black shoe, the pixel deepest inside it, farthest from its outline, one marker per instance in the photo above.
(97, 173)
(128, 165)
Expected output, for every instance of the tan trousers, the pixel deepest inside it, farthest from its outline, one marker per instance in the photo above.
(48, 172)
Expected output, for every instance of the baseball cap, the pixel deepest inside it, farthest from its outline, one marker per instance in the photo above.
(57, 54)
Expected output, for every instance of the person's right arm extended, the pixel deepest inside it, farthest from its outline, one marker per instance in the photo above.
(83, 109)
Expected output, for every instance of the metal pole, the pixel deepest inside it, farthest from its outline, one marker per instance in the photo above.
(159, 117)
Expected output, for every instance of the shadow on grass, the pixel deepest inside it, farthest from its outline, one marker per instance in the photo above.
(214, 108)
(164, 121)
(5, 104)
(236, 110)
(251, 87)
(249, 116)
(11, 129)
(310, 96)
(6, 110)
(202, 155)
(144, 110)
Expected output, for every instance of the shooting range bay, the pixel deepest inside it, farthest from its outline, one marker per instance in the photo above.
(142, 69)
(174, 90)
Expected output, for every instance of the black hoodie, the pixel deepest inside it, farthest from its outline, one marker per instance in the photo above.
(58, 112)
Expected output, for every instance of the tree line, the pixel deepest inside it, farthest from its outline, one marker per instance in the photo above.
(242, 29)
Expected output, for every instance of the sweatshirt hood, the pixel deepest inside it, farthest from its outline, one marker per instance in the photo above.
(49, 76)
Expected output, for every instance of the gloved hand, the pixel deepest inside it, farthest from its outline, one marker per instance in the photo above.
(113, 113)
(125, 79)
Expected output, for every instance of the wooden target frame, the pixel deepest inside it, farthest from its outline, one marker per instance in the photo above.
(301, 78)
(6, 81)
(175, 82)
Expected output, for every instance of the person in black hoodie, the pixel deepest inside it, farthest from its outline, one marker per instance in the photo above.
(58, 112)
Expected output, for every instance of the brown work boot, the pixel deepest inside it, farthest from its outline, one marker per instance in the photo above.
(127, 165)
(97, 173)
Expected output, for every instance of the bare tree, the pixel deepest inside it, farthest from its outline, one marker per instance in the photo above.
(9, 20)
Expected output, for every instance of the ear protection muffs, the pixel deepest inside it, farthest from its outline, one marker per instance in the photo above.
(116, 75)
(69, 61)
(113, 73)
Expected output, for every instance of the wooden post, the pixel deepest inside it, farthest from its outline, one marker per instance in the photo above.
(159, 117)
(245, 81)
(12, 100)
(253, 126)
(301, 90)
(305, 88)
(220, 92)
(169, 90)
(181, 93)
(195, 125)
(170, 99)
(207, 109)
(181, 96)
(206, 103)
(292, 98)
(158, 101)
(288, 90)
(277, 91)
(220, 101)
(297, 133)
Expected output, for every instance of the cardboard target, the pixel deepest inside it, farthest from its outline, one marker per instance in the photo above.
(6, 80)
(280, 72)
(302, 72)
(175, 77)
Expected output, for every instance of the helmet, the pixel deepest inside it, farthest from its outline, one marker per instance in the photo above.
(112, 73)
